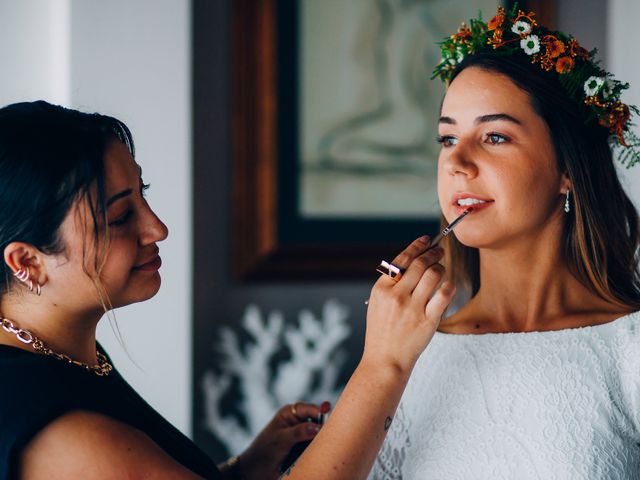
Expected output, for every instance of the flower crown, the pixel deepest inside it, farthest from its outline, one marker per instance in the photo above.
(517, 33)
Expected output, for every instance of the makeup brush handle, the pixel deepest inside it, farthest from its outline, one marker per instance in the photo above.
(435, 241)
(449, 228)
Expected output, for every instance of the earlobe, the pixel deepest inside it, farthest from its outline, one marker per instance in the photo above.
(565, 184)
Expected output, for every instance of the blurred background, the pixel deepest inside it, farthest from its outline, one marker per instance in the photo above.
(202, 85)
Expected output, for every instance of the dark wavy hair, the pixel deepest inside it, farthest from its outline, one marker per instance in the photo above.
(601, 234)
(51, 156)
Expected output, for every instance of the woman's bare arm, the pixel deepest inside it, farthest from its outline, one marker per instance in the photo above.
(91, 446)
(401, 320)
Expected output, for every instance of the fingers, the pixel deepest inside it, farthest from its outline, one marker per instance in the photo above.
(414, 260)
(299, 425)
(301, 432)
(404, 259)
(417, 269)
(299, 412)
(440, 301)
(427, 283)
(418, 246)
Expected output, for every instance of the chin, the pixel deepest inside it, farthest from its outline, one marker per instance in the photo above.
(149, 291)
(473, 239)
(138, 293)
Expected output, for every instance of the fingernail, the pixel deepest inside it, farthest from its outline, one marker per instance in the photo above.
(448, 287)
(313, 428)
(325, 407)
(424, 239)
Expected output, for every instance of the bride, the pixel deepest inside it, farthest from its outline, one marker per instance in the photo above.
(538, 374)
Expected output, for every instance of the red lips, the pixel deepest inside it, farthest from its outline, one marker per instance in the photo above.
(152, 264)
(476, 206)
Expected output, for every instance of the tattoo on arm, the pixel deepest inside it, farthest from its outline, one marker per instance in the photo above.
(387, 423)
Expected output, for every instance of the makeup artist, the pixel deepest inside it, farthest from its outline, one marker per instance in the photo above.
(78, 240)
(537, 375)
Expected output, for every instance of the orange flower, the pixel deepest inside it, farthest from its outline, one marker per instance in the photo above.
(576, 50)
(498, 20)
(495, 22)
(623, 112)
(463, 32)
(620, 116)
(564, 64)
(555, 48)
(616, 119)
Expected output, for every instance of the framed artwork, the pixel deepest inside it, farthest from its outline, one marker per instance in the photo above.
(334, 126)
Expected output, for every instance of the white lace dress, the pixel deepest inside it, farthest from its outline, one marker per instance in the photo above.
(537, 405)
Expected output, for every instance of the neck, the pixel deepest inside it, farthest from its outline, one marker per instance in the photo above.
(63, 332)
(528, 286)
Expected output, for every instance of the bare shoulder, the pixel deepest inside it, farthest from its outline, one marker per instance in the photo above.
(88, 445)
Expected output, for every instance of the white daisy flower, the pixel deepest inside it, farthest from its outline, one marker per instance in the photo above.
(530, 44)
(593, 85)
(607, 89)
(521, 28)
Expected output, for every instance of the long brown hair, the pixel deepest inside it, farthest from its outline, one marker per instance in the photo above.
(601, 234)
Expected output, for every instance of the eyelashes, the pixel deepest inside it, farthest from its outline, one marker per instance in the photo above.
(491, 138)
(124, 218)
(496, 138)
(445, 140)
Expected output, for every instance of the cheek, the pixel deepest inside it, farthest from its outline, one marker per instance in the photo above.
(120, 259)
(443, 185)
(529, 190)
(510, 183)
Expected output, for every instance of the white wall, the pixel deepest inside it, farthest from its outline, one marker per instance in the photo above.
(622, 54)
(129, 59)
(34, 50)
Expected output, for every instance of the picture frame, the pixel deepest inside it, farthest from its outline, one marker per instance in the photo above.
(271, 239)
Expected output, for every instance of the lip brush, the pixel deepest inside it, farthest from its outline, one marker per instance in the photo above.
(449, 228)
(446, 231)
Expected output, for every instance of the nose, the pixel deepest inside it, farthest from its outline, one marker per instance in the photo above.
(154, 230)
(459, 161)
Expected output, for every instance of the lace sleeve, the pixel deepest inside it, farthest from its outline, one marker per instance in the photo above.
(392, 455)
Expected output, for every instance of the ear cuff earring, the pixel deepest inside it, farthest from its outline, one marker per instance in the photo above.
(23, 276)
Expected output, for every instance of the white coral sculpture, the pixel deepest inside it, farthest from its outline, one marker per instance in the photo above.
(310, 374)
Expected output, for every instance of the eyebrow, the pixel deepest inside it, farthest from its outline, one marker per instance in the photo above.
(493, 117)
(118, 196)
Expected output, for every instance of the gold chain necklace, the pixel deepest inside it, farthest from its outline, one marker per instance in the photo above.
(102, 369)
